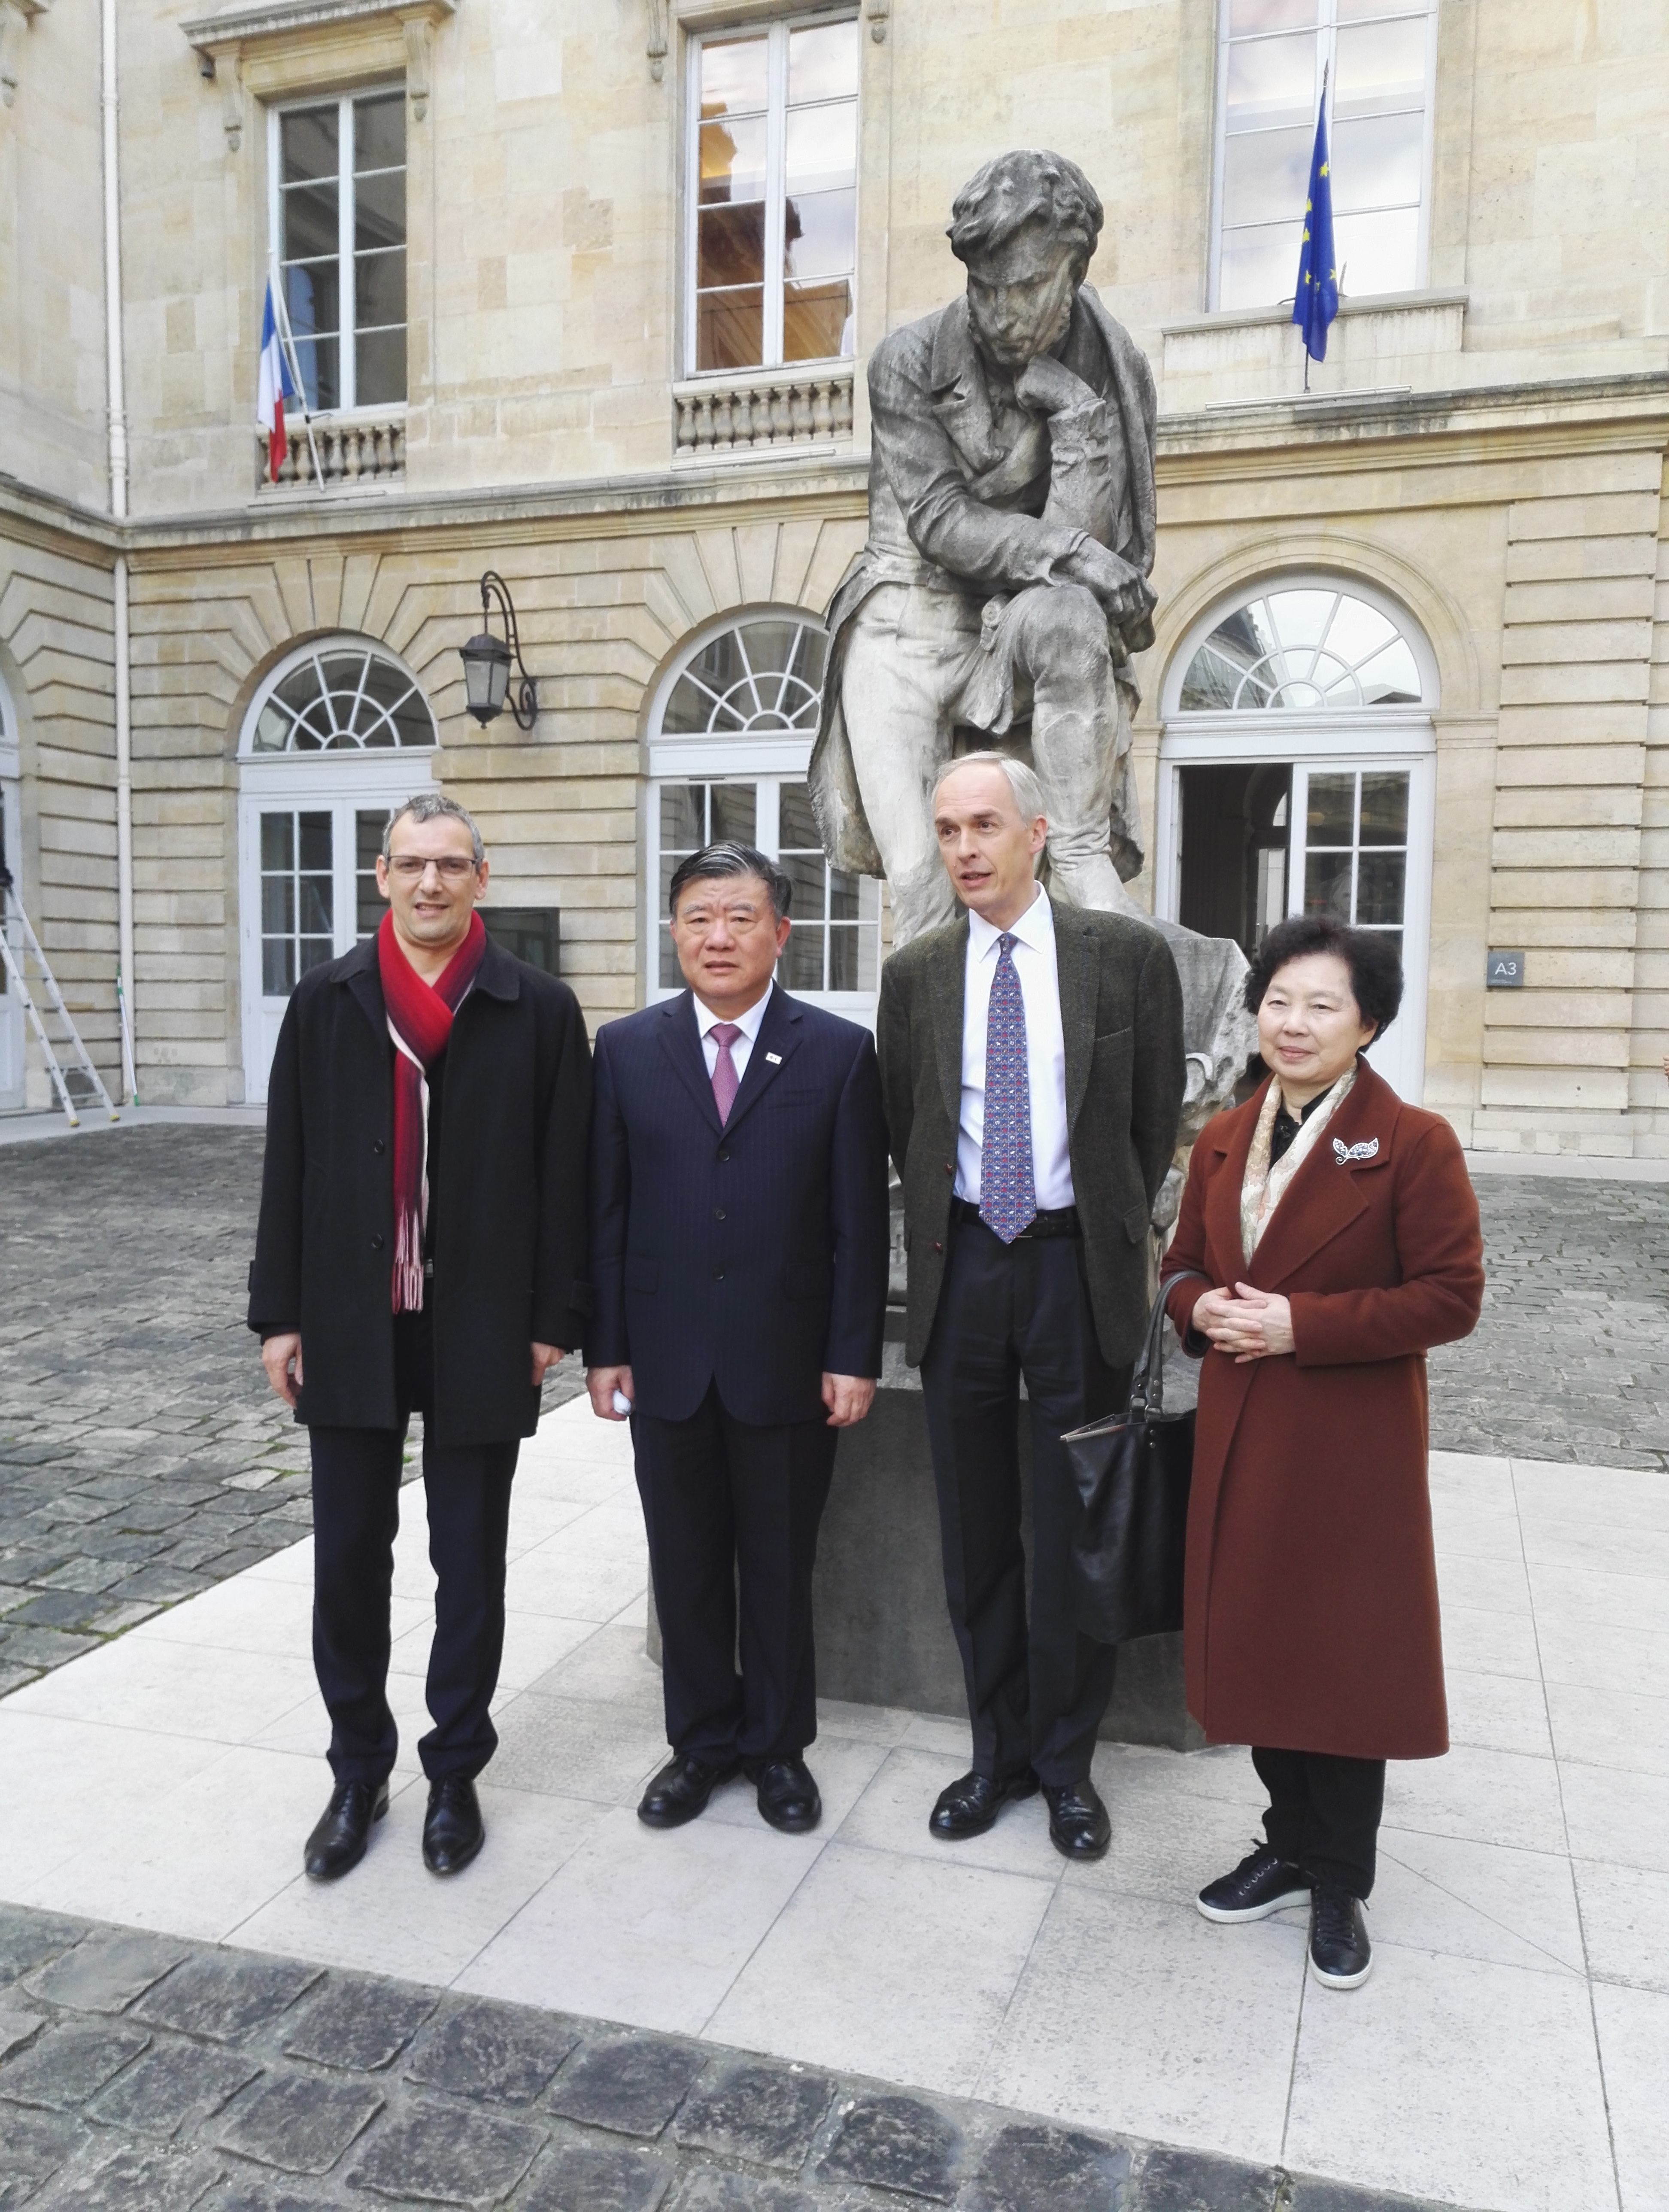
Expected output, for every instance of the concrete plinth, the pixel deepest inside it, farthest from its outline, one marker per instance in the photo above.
(884, 1636)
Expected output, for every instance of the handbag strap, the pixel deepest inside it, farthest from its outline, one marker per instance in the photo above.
(1147, 1381)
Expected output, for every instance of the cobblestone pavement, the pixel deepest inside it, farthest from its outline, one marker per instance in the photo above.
(141, 1455)
(140, 2074)
(1571, 1359)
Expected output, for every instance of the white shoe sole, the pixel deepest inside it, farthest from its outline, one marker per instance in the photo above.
(1340, 1981)
(1229, 1920)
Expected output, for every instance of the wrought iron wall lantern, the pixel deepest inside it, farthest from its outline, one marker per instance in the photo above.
(487, 662)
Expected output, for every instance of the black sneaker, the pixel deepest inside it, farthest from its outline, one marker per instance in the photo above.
(1261, 1884)
(1341, 1957)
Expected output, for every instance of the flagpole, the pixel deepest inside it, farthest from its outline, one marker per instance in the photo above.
(1326, 67)
(286, 340)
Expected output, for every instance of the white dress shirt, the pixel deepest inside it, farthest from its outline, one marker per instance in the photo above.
(741, 1049)
(1045, 1052)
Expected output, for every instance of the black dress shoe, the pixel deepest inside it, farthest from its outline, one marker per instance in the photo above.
(1264, 1882)
(680, 1791)
(788, 1797)
(1341, 1957)
(454, 1830)
(337, 1844)
(968, 1806)
(1079, 1826)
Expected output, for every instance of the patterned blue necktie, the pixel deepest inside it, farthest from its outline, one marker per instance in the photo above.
(1008, 1194)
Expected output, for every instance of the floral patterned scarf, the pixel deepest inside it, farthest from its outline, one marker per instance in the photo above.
(1263, 1186)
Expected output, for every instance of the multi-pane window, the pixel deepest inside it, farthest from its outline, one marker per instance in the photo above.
(834, 943)
(298, 922)
(773, 195)
(1355, 856)
(1377, 58)
(339, 224)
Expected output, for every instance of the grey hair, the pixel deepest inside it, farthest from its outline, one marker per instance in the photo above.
(1022, 187)
(1021, 779)
(433, 806)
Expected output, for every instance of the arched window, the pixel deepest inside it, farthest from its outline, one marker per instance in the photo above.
(343, 696)
(731, 730)
(1305, 647)
(1296, 777)
(338, 734)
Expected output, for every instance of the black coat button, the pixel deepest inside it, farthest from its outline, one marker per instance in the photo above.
(377, 1146)
(723, 1154)
(717, 1275)
(377, 1242)
(718, 1212)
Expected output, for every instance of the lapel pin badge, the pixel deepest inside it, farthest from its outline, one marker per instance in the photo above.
(775, 1059)
(1343, 1152)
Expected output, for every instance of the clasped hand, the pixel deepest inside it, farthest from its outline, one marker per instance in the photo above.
(1247, 1324)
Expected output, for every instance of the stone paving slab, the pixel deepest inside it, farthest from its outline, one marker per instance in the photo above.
(235, 2083)
(142, 1458)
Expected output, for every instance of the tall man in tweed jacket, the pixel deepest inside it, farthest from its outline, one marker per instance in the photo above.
(1032, 1066)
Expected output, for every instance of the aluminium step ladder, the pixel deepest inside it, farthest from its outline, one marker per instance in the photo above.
(19, 948)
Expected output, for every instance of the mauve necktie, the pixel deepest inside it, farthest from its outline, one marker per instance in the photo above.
(1008, 1193)
(726, 1080)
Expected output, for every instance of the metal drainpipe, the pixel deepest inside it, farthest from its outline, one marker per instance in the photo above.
(117, 400)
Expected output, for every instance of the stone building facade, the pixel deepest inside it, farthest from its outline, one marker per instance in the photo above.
(583, 297)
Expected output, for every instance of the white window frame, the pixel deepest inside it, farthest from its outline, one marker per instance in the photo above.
(342, 784)
(1341, 741)
(1327, 28)
(776, 30)
(766, 762)
(347, 335)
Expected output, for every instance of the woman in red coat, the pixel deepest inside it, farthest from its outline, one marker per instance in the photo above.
(1339, 1233)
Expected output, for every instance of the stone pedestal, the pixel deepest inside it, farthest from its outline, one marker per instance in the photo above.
(884, 1637)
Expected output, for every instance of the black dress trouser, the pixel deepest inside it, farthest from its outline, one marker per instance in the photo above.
(1036, 1689)
(733, 1507)
(356, 1513)
(1324, 1813)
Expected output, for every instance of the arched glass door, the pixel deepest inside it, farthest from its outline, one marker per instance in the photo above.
(1297, 776)
(336, 736)
(731, 731)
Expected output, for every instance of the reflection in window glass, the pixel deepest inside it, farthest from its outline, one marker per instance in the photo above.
(297, 898)
(775, 168)
(1355, 840)
(1274, 52)
(1307, 650)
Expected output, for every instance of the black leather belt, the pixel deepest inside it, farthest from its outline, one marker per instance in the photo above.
(1059, 1221)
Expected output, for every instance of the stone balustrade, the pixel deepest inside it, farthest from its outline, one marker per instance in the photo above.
(763, 412)
(351, 449)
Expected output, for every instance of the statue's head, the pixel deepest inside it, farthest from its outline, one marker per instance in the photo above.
(1025, 227)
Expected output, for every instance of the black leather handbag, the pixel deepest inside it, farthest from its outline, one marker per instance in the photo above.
(1133, 1471)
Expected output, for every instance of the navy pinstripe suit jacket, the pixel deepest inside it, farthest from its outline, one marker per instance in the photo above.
(753, 1253)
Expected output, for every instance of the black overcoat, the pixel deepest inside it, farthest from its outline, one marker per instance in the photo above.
(510, 1257)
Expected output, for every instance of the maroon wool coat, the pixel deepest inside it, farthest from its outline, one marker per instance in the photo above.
(1311, 1607)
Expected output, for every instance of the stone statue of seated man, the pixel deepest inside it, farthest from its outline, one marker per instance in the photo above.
(1011, 532)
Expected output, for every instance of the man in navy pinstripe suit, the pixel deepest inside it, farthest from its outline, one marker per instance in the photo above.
(739, 1250)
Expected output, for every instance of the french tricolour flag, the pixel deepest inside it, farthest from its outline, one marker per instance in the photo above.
(273, 387)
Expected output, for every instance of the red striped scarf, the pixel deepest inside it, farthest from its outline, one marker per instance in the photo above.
(420, 1019)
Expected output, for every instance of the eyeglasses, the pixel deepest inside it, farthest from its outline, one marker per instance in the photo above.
(410, 869)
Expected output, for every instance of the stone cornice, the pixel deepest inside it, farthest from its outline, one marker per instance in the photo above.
(42, 518)
(1350, 435)
(277, 19)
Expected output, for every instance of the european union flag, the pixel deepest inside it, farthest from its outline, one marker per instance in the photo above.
(1317, 300)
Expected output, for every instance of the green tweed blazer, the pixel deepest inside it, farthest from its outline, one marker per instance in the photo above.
(1121, 1017)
